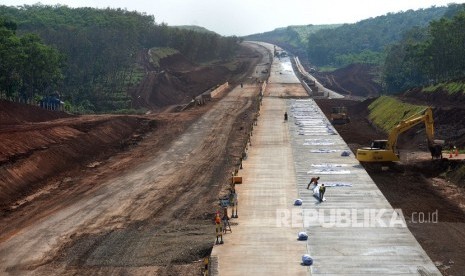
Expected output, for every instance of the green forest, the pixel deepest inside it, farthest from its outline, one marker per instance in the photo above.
(426, 56)
(366, 40)
(412, 48)
(408, 49)
(87, 55)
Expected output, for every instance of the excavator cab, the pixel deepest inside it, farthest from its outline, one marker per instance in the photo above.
(339, 115)
(378, 144)
(377, 152)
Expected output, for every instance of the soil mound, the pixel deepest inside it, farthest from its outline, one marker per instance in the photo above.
(439, 98)
(353, 80)
(56, 146)
(178, 80)
(177, 62)
(12, 113)
(448, 113)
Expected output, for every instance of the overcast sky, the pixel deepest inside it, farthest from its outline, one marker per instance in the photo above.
(243, 17)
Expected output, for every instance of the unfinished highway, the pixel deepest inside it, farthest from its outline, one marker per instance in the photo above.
(355, 231)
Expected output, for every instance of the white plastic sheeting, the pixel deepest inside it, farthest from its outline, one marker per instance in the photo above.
(338, 184)
(328, 171)
(329, 165)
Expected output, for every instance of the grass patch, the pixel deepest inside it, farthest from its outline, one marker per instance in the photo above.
(158, 53)
(304, 31)
(450, 87)
(455, 87)
(327, 69)
(432, 88)
(136, 76)
(386, 112)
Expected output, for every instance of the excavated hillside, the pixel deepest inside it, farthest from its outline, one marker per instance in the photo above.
(176, 80)
(117, 180)
(355, 80)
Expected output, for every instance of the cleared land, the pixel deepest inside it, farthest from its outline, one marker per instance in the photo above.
(136, 194)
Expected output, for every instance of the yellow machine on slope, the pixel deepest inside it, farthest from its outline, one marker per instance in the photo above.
(385, 150)
(339, 115)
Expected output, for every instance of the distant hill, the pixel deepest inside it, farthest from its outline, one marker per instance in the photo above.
(90, 55)
(195, 28)
(338, 45)
(366, 40)
(293, 38)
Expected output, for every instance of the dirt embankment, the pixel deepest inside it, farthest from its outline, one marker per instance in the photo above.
(177, 80)
(448, 113)
(130, 219)
(356, 80)
(38, 144)
(433, 206)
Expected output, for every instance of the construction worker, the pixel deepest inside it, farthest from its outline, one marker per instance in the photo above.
(322, 192)
(233, 203)
(314, 180)
(451, 150)
(219, 228)
(285, 116)
(205, 269)
(225, 219)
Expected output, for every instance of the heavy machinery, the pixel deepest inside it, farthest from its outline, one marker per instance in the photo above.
(339, 115)
(385, 150)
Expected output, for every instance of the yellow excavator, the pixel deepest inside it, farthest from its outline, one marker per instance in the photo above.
(339, 115)
(385, 150)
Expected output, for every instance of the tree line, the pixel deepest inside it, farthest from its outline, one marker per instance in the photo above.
(365, 41)
(88, 55)
(27, 64)
(411, 48)
(427, 55)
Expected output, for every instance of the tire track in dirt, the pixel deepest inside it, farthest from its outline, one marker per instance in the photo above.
(147, 192)
(139, 221)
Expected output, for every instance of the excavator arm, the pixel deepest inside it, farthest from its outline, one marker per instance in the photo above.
(404, 125)
(386, 152)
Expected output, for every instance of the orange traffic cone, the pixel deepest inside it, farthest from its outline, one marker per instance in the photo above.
(450, 154)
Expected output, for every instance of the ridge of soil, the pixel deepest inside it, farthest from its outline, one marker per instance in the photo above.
(50, 161)
(15, 113)
(178, 80)
(354, 80)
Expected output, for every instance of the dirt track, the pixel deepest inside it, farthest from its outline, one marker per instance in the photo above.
(146, 210)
